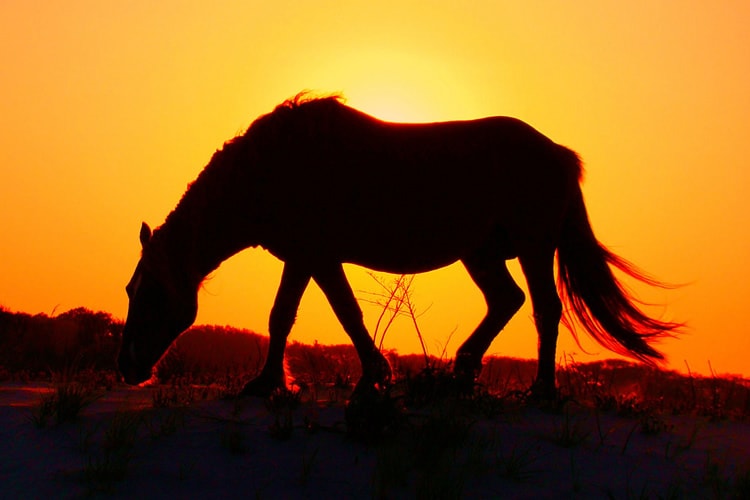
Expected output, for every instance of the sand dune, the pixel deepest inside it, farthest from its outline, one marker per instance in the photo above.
(217, 448)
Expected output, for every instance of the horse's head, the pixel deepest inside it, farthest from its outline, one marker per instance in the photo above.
(163, 303)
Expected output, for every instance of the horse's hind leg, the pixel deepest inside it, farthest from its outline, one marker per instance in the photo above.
(376, 372)
(294, 280)
(503, 297)
(539, 272)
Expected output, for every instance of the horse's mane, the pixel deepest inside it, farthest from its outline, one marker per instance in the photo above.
(299, 118)
(307, 97)
(303, 109)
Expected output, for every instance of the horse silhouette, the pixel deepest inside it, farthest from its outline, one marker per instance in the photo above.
(318, 183)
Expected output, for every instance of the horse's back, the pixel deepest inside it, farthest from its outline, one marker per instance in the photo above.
(452, 169)
(410, 196)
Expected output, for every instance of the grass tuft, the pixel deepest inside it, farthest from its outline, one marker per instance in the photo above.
(232, 438)
(103, 470)
(64, 404)
(518, 464)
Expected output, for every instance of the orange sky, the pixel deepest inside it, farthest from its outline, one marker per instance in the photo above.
(109, 109)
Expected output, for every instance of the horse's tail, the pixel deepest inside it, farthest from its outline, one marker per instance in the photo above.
(592, 294)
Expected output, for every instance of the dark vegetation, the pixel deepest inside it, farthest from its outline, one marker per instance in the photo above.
(37, 347)
(81, 344)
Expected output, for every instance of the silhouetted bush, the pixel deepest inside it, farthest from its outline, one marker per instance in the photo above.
(317, 364)
(213, 353)
(83, 344)
(43, 345)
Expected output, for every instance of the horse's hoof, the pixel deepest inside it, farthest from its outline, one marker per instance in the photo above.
(543, 394)
(371, 413)
(376, 373)
(465, 383)
(467, 365)
(466, 372)
(260, 387)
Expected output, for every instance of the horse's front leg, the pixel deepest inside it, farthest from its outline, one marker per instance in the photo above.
(376, 372)
(294, 280)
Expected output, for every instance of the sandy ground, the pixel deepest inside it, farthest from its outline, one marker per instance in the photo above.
(220, 450)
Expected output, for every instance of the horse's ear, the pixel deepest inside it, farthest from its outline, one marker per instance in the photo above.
(145, 235)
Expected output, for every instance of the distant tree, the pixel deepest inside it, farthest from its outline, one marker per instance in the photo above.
(92, 326)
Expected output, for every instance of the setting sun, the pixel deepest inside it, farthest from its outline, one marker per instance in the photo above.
(109, 111)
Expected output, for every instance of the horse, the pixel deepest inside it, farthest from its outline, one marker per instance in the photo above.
(317, 184)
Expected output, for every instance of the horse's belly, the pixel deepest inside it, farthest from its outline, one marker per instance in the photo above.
(393, 248)
(411, 248)
(403, 262)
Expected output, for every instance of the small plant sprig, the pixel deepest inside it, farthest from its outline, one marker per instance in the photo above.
(173, 396)
(86, 436)
(102, 471)
(282, 403)
(672, 449)
(571, 432)
(518, 464)
(232, 439)
(393, 466)
(167, 423)
(308, 463)
(653, 424)
(395, 300)
(122, 432)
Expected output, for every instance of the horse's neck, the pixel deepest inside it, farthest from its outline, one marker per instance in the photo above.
(198, 241)
(211, 222)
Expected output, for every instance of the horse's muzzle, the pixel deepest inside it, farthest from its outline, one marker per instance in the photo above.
(135, 377)
(132, 373)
